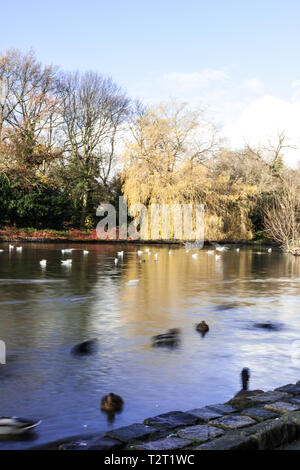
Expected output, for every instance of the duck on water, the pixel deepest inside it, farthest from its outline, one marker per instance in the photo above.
(11, 425)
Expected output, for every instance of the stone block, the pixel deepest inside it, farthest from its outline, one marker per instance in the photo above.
(282, 406)
(223, 409)
(132, 432)
(259, 413)
(268, 397)
(204, 414)
(199, 433)
(233, 421)
(172, 420)
(230, 442)
(169, 443)
(290, 388)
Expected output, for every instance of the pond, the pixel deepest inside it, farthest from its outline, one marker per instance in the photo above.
(45, 311)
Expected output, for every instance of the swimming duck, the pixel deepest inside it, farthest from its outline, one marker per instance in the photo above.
(171, 338)
(87, 347)
(111, 403)
(11, 425)
(202, 327)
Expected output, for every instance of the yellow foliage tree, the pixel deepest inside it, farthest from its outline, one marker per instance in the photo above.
(171, 159)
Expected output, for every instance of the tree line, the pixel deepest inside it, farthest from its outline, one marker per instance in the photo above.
(72, 140)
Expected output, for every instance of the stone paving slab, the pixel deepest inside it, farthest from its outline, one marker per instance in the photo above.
(268, 397)
(199, 433)
(230, 442)
(205, 413)
(169, 443)
(290, 388)
(132, 432)
(259, 413)
(233, 421)
(282, 406)
(221, 408)
(172, 420)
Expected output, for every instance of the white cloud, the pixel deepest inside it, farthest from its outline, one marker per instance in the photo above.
(296, 88)
(187, 82)
(262, 120)
(239, 106)
(252, 85)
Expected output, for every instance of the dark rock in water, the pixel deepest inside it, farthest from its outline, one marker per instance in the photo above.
(171, 338)
(268, 326)
(87, 347)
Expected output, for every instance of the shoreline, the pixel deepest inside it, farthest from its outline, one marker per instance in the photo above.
(260, 421)
(130, 242)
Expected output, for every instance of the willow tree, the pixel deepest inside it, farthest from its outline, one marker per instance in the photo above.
(93, 110)
(165, 158)
(168, 141)
(174, 156)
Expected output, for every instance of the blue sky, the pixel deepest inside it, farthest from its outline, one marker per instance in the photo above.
(227, 54)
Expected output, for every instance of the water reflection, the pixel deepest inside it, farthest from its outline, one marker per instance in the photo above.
(45, 312)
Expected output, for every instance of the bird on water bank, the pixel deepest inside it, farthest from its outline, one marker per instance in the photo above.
(241, 399)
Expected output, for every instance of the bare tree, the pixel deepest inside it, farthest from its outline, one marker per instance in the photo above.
(28, 106)
(93, 110)
(282, 218)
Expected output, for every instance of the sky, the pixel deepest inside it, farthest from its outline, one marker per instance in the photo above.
(237, 59)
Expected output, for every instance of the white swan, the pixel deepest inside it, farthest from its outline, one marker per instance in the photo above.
(43, 263)
(85, 252)
(66, 262)
(19, 249)
(219, 247)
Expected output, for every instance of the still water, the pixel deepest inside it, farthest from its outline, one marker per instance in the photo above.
(46, 311)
